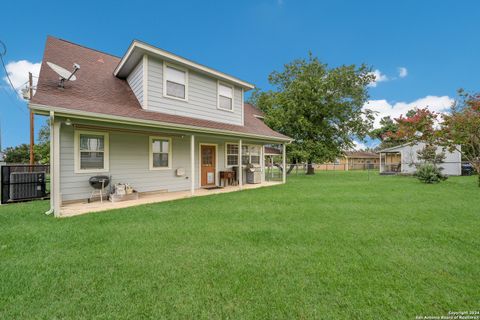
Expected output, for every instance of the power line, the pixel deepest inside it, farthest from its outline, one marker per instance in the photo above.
(6, 72)
(14, 100)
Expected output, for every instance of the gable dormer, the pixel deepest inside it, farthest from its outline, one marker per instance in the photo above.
(164, 82)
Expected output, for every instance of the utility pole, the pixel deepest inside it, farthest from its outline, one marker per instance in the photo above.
(32, 136)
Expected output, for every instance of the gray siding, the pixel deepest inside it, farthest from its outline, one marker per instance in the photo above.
(129, 163)
(202, 97)
(135, 80)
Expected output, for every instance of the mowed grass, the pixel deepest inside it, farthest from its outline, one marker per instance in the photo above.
(336, 245)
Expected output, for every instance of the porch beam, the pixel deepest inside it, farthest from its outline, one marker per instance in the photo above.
(240, 165)
(284, 164)
(192, 164)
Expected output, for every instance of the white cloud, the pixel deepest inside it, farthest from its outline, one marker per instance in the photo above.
(18, 73)
(385, 108)
(379, 77)
(402, 72)
(359, 145)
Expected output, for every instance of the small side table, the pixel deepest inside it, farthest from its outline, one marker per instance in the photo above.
(227, 178)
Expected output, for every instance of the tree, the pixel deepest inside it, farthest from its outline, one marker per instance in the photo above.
(461, 127)
(388, 128)
(417, 126)
(429, 155)
(319, 107)
(41, 150)
(18, 154)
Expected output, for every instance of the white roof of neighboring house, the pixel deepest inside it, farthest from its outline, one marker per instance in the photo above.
(396, 147)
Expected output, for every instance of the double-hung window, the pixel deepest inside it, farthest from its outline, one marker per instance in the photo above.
(254, 154)
(232, 154)
(160, 153)
(175, 84)
(91, 151)
(250, 154)
(225, 96)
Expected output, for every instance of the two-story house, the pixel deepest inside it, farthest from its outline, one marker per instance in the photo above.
(151, 118)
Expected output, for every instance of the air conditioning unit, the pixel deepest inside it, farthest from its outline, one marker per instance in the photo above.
(27, 185)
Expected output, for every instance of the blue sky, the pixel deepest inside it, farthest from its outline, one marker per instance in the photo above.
(435, 41)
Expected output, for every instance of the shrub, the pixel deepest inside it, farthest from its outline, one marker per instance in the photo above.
(429, 173)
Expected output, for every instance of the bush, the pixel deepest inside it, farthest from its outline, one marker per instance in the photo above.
(429, 173)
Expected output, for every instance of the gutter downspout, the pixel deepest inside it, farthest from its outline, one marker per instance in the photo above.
(52, 200)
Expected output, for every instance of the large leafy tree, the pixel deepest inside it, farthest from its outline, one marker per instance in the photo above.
(41, 151)
(387, 132)
(461, 127)
(319, 107)
(417, 126)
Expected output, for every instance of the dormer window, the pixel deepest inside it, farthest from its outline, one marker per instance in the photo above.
(225, 96)
(175, 82)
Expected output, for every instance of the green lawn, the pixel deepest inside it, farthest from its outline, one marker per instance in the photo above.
(336, 245)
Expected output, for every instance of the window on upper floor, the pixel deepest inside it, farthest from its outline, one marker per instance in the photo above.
(225, 96)
(175, 82)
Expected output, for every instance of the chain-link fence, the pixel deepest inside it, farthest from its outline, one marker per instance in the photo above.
(273, 172)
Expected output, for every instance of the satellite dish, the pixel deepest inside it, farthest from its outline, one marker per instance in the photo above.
(64, 74)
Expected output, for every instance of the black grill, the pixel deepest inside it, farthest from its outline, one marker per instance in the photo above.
(96, 181)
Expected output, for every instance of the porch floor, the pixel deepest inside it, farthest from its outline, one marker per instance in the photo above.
(78, 208)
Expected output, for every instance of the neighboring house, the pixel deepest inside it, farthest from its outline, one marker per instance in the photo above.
(151, 118)
(404, 159)
(352, 160)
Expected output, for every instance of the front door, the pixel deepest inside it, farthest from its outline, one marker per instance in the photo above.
(208, 165)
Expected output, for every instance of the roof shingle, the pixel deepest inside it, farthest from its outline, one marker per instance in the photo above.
(97, 90)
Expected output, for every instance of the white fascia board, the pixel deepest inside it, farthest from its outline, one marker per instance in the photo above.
(79, 114)
(173, 57)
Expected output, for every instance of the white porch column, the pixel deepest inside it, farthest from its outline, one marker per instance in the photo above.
(262, 162)
(52, 174)
(240, 165)
(271, 167)
(55, 169)
(380, 165)
(284, 164)
(192, 164)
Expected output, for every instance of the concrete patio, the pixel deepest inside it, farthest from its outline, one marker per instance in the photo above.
(78, 208)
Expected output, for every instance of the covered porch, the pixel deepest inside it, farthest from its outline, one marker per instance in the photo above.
(390, 162)
(161, 164)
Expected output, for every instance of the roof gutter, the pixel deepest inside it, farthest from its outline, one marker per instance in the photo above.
(44, 110)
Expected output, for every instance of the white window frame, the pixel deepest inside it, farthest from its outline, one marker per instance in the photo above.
(249, 156)
(106, 151)
(218, 95)
(226, 155)
(165, 66)
(150, 153)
